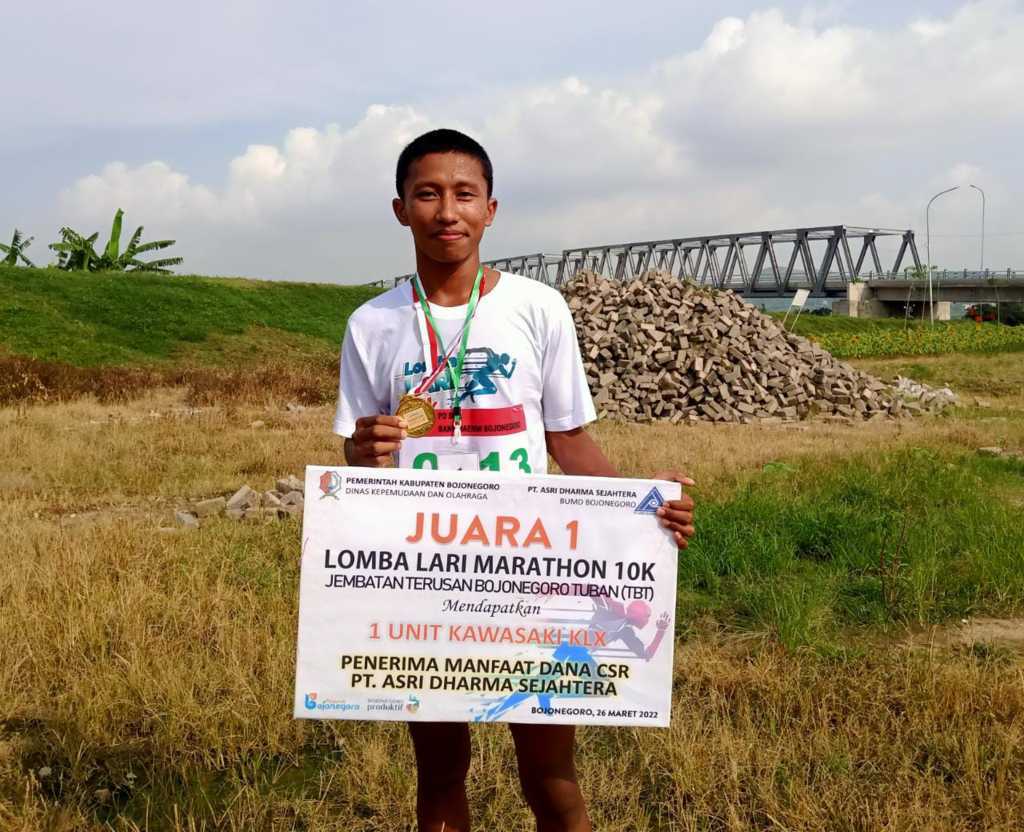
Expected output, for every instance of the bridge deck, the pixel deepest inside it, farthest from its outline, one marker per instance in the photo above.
(971, 290)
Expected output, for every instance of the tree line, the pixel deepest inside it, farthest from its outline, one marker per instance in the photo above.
(77, 252)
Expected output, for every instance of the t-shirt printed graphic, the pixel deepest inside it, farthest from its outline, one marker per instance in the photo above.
(522, 373)
(483, 370)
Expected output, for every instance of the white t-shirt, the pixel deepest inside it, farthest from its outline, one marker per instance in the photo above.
(522, 373)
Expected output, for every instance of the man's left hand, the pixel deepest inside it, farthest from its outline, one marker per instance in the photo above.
(677, 515)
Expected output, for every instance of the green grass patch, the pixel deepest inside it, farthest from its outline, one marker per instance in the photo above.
(807, 552)
(109, 319)
(883, 337)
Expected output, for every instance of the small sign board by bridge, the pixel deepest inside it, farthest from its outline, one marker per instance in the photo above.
(799, 299)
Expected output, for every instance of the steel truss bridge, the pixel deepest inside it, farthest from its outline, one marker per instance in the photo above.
(782, 261)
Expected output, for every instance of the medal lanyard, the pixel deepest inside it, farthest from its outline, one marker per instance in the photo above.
(460, 340)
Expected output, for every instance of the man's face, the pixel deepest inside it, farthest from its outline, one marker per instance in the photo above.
(446, 206)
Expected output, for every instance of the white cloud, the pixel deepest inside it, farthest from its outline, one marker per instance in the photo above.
(153, 188)
(771, 121)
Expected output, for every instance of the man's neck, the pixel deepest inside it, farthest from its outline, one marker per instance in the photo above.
(447, 284)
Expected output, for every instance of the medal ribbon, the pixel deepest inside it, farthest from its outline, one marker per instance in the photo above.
(461, 340)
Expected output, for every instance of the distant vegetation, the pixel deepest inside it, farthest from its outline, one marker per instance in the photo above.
(15, 252)
(76, 251)
(883, 337)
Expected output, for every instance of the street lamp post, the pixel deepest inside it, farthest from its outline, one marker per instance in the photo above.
(980, 191)
(928, 248)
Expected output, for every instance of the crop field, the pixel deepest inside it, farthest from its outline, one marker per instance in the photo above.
(888, 337)
(850, 623)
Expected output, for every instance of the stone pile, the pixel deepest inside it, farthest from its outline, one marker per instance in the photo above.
(287, 498)
(932, 398)
(662, 348)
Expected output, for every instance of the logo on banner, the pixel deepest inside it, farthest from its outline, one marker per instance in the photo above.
(384, 704)
(330, 484)
(314, 703)
(651, 503)
(413, 704)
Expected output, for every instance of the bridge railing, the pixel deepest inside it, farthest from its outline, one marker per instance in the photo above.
(951, 274)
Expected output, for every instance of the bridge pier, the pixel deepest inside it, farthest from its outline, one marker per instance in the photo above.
(862, 301)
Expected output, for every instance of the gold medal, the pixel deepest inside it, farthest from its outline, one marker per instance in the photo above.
(418, 414)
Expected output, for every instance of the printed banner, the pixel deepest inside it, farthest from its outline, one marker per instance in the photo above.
(474, 597)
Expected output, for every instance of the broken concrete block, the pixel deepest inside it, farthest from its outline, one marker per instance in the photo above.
(244, 498)
(290, 483)
(207, 508)
(186, 519)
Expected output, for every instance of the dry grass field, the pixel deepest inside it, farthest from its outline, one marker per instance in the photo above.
(145, 673)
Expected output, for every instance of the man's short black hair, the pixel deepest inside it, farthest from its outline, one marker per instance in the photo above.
(441, 141)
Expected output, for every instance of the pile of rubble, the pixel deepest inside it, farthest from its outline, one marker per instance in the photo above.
(932, 398)
(663, 348)
(246, 503)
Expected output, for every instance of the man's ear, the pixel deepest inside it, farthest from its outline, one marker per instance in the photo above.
(492, 209)
(398, 206)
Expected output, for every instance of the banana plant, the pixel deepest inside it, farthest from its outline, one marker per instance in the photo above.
(16, 250)
(132, 263)
(76, 252)
(116, 260)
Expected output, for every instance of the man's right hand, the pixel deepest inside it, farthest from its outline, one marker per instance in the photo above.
(374, 440)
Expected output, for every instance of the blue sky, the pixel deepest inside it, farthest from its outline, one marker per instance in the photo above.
(263, 136)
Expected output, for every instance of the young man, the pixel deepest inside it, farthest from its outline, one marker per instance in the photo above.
(468, 367)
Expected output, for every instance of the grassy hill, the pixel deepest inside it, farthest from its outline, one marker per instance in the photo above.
(137, 320)
(118, 319)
